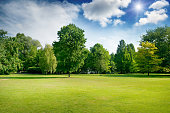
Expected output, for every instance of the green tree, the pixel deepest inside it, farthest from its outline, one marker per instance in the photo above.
(85, 67)
(69, 49)
(9, 61)
(121, 57)
(27, 50)
(124, 58)
(4, 63)
(146, 58)
(99, 59)
(112, 63)
(132, 66)
(161, 37)
(47, 60)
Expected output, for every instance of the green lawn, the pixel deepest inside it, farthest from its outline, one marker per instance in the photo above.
(84, 94)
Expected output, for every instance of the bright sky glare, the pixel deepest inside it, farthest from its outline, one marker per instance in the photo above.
(138, 6)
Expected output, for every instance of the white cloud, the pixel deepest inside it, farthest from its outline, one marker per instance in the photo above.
(118, 21)
(159, 4)
(153, 17)
(40, 20)
(156, 15)
(103, 10)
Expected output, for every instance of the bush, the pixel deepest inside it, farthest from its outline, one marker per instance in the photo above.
(34, 70)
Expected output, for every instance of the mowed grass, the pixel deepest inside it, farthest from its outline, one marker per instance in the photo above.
(84, 93)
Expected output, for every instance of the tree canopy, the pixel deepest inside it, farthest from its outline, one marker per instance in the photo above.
(27, 50)
(124, 57)
(9, 60)
(161, 37)
(21, 53)
(47, 60)
(146, 58)
(69, 49)
(99, 59)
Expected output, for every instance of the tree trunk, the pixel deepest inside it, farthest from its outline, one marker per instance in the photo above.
(69, 74)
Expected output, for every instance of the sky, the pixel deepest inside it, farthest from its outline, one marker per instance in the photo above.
(104, 21)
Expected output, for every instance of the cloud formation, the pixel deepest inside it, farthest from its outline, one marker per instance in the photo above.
(159, 4)
(103, 10)
(40, 20)
(118, 21)
(153, 17)
(156, 15)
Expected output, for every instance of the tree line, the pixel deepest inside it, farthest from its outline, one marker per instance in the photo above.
(69, 54)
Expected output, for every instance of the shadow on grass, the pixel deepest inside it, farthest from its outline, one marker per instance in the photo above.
(139, 76)
(30, 77)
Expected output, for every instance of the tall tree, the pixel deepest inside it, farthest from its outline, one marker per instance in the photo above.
(4, 63)
(27, 50)
(112, 63)
(161, 37)
(47, 60)
(132, 66)
(124, 58)
(146, 58)
(69, 48)
(9, 61)
(99, 59)
(121, 57)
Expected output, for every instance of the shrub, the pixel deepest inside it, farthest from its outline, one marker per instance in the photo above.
(34, 70)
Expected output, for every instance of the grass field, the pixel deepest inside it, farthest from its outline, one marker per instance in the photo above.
(84, 94)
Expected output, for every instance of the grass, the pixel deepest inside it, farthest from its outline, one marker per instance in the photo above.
(129, 93)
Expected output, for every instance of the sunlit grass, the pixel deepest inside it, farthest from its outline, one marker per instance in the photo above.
(99, 93)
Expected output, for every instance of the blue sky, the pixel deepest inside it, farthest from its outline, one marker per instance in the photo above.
(104, 21)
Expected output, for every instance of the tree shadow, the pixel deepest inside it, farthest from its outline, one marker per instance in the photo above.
(30, 77)
(138, 76)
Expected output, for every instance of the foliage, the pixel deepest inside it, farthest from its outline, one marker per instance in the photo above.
(124, 57)
(27, 50)
(161, 37)
(85, 66)
(112, 63)
(9, 60)
(119, 57)
(132, 66)
(99, 59)
(69, 49)
(47, 60)
(21, 52)
(146, 58)
(17, 53)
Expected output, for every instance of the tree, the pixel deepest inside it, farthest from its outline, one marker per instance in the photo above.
(27, 50)
(18, 53)
(121, 57)
(69, 49)
(47, 60)
(112, 63)
(4, 63)
(132, 66)
(99, 59)
(124, 58)
(161, 37)
(146, 58)
(85, 66)
(9, 60)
